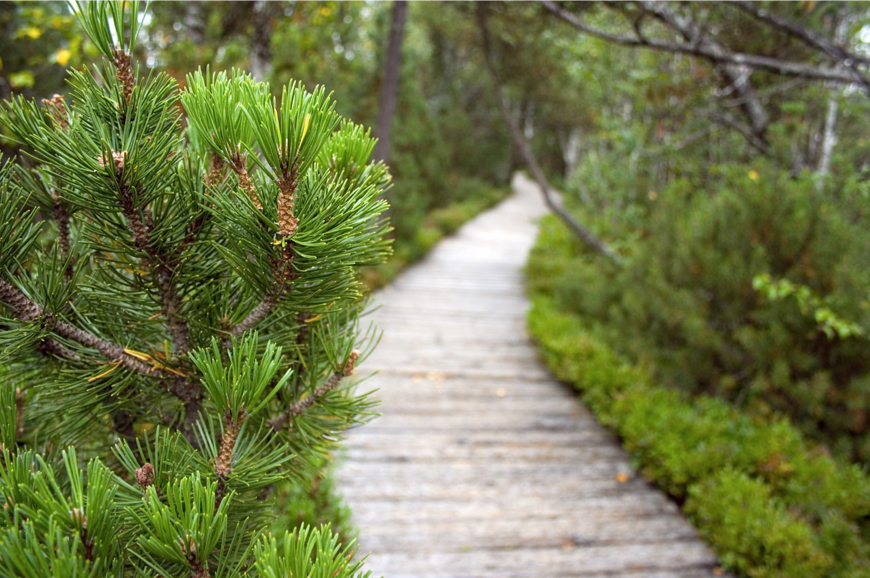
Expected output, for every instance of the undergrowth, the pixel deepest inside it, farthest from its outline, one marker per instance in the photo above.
(769, 502)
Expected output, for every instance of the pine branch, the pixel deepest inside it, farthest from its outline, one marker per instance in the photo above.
(299, 407)
(59, 213)
(162, 270)
(256, 315)
(51, 346)
(287, 183)
(239, 165)
(57, 106)
(29, 312)
(283, 275)
(287, 225)
(217, 170)
(124, 72)
(223, 466)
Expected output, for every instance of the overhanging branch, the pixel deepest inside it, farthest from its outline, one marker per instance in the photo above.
(848, 59)
(754, 61)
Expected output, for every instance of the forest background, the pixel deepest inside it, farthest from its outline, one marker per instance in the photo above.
(734, 198)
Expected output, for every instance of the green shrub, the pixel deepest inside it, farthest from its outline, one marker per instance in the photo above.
(768, 503)
(684, 305)
(753, 532)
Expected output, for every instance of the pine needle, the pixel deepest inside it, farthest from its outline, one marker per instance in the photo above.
(115, 365)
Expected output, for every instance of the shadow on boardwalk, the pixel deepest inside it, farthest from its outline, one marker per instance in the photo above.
(482, 465)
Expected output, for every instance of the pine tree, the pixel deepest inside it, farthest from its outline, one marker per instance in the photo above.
(179, 309)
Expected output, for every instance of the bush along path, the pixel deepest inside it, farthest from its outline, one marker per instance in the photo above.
(769, 503)
(482, 464)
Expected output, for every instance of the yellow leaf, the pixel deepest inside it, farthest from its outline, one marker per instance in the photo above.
(139, 355)
(62, 56)
(753, 175)
(621, 477)
(313, 319)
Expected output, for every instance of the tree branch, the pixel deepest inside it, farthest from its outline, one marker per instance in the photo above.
(754, 61)
(299, 407)
(28, 311)
(587, 236)
(162, 272)
(283, 269)
(256, 315)
(848, 59)
(757, 143)
(737, 75)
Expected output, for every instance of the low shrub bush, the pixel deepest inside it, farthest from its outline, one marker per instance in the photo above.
(768, 503)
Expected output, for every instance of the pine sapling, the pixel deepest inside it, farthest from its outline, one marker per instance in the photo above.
(179, 308)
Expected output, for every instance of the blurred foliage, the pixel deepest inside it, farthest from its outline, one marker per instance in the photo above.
(469, 197)
(38, 40)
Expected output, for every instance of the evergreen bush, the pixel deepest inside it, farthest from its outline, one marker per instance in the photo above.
(688, 305)
(179, 317)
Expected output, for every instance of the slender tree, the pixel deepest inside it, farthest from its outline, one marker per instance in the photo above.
(521, 144)
(184, 317)
(390, 85)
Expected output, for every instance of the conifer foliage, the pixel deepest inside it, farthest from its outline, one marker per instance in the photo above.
(179, 317)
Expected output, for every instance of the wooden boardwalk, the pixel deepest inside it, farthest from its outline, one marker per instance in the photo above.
(482, 465)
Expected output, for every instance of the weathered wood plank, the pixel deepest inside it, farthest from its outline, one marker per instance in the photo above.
(682, 555)
(482, 466)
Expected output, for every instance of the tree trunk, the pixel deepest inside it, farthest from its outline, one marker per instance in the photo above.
(390, 87)
(261, 52)
(829, 137)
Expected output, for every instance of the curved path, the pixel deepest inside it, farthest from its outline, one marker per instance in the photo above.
(482, 465)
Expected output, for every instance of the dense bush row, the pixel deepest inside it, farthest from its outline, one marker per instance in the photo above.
(684, 304)
(768, 503)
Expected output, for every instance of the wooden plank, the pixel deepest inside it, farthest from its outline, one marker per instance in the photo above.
(463, 535)
(681, 555)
